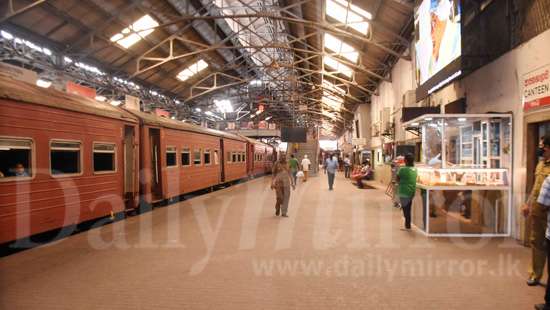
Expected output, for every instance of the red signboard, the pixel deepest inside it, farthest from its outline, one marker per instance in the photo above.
(162, 113)
(73, 88)
(536, 88)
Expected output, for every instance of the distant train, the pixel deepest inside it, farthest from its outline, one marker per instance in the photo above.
(66, 159)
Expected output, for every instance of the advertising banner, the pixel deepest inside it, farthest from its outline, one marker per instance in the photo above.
(536, 88)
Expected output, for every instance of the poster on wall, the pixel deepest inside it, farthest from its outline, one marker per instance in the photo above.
(438, 40)
(536, 88)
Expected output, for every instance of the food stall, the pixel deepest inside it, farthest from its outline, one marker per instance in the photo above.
(464, 178)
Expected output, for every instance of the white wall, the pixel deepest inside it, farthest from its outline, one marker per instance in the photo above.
(497, 88)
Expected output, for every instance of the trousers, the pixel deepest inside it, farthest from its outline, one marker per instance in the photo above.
(406, 203)
(331, 179)
(537, 241)
(283, 198)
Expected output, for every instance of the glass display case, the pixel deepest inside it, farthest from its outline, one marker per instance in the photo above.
(464, 177)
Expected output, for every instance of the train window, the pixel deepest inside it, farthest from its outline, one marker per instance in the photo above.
(104, 157)
(229, 159)
(216, 157)
(185, 157)
(171, 160)
(234, 157)
(197, 157)
(207, 157)
(15, 158)
(65, 157)
(243, 157)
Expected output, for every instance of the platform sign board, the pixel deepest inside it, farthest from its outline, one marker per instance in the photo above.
(76, 89)
(536, 88)
(18, 73)
(262, 125)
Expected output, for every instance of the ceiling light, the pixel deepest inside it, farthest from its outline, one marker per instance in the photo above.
(224, 106)
(135, 32)
(258, 112)
(6, 35)
(341, 48)
(415, 124)
(349, 14)
(268, 118)
(43, 83)
(67, 60)
(100, 98)
(198, 109)
(252, 116)
(336, 65)
(461, 119)
(116, 103)
(209, 113)
(192, 70)
(429, 118)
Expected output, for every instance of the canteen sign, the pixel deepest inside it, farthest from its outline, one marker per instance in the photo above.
(536, 88)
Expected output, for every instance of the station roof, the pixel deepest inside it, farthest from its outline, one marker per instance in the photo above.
(299, 59)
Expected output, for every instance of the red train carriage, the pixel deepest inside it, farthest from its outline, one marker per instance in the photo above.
(178, 158)
(63, 160)
(261, 155)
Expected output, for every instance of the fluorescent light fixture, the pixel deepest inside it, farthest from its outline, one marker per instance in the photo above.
(415, 124)
(67, 60)
(173, 117)
(135, 32)
(43, 83)
(209, 113)
(341, 48)
(6, 35)
(429, 118)
(461, 119)
(177, 101)
(47, 51)
(224, 106)
(268, 118)
(349, 14)
(258, 112)
(116, 103)
(89, 68)
(445, 81)
(336, 65)
(198, 109)
(252, 115)
(192, 70)
(256, 82)
(100, 98)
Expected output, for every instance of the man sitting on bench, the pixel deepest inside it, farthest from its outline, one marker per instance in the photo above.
(364, 173)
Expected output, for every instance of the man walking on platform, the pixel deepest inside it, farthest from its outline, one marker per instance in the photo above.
(331, 165)
(305, 167)
(537, 218)
(293, 167)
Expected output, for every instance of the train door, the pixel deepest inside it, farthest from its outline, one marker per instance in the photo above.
(222, 162)
(129, 167)
(156, 168)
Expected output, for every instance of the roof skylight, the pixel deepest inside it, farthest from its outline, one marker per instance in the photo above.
(135, 32)
(336, 65)
(349, 14)
(341, 48)
(192, 70)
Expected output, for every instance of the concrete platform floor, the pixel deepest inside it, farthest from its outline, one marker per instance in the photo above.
(226, 250)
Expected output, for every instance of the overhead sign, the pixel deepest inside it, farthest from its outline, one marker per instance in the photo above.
(536, 88)
(18, 73)
(162, 113)
(76, 89)
(131, 103)
(359, 141)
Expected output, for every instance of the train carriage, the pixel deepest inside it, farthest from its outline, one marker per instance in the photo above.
(179, 158)
(261, 157)
(64, 160)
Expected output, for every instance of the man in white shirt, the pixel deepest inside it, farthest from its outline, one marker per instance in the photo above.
(305, 166)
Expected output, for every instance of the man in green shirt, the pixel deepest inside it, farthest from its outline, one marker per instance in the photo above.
(406, 176)
(293, 167)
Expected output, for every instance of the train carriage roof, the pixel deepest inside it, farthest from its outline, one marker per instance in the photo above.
(154, 120)
(25, 92)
